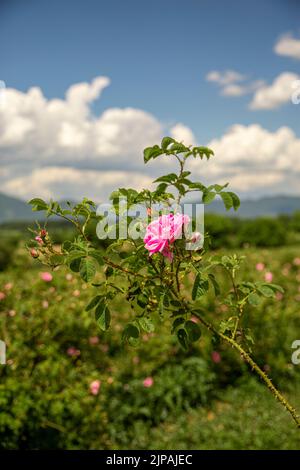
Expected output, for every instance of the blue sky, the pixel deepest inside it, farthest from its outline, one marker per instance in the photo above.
(157, 55)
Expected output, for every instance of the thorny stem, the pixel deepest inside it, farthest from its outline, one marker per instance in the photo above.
(125, 270)
(255, 367)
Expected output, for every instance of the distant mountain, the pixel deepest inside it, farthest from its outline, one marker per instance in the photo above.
(265, 206)
(12, 209)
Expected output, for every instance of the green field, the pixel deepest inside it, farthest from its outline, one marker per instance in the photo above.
(55, 351)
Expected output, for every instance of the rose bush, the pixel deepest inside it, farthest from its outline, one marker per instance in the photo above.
(153, 274)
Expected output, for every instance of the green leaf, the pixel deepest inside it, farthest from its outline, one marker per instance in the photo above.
(38, 204)
(87, 269)
(179, 148)
(176, 323)
(182, 338)
(146, 324)
(214, 283)
(208, 197)
(97, 256)
(275, 287)
(266, 291)
(93, 303)
(235, 200)
(227, 199)
(170, 178)
(200, 287)
(102, 315)
(152, 152)
(130, 331)
(166, 142)
(75, 265)
(193, 331)
(254, 299)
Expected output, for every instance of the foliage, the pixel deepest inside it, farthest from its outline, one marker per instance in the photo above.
(44, 392)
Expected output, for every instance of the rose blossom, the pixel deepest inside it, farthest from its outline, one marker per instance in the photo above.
(216, 357)
(95, 387)
(260, 267)
(148, 382)
(47, 277)
(162, 232)
(268, 277)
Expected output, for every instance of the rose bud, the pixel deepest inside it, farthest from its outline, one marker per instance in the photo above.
(195, 237)
(39, 240)
(43, 233)
(34, 253)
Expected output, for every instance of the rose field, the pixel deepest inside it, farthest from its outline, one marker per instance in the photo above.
(69, 385)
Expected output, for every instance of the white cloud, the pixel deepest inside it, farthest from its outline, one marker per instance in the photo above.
(233, 83)
(242, 89)
(254, 160)
(59, 131)
(66, 182)
(58, 148)
(182, 133)
(275, 95)
(225, 78)
(288, 46)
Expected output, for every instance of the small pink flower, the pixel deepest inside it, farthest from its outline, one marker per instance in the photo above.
(194, 319)
(95, 387)
(162, 232)
(45, 304)
(148, 382)
(93, 340)
(8, 286)
(296, 261)
(39, 240)
(76, 293)
(47, 277)
(2, 296)
(260, 267)
(43, 233)
(12, 313)
(110, 380)
(216, 357)
(69, 277)
(73, 352)
(268, 276)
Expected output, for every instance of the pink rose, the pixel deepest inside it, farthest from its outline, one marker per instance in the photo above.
(162, 232)
(296, 261)
(39, 240)
(8, 286)
(268, 277)
(216, 357)
(260, 266)
(148, 382)
(2, 296)
(47, 277)
(73, 352)
(95, 387)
